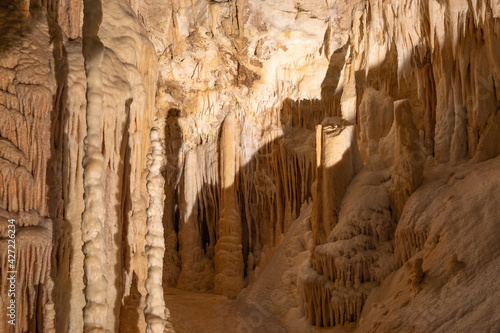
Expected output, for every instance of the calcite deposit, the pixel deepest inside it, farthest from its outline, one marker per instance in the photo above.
(249, 166)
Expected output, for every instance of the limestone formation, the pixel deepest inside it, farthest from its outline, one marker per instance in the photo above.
(228, 257)
(407, 170)
(212, 166)
(95, 311)
(155, 249)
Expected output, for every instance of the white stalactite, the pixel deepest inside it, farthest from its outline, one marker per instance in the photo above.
(95, 311)
(155, 250)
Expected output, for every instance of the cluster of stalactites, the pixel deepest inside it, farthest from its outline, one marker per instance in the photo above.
(448, 57)
(33, 244)
(273, 178)
(328, 304)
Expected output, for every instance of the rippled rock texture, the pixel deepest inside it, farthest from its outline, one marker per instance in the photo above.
(334, 162)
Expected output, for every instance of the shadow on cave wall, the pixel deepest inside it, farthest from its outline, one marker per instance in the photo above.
(256, 214)
(124, 315)
(62, 252)
(15, 23)
(261, 213)
(271, 187)
(261, 219)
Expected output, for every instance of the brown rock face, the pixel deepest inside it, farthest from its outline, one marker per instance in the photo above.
(321, 163)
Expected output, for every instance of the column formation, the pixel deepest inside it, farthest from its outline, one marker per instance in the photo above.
(155, 249)
(94, 248)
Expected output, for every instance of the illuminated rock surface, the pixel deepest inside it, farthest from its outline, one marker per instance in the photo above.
(251, 166)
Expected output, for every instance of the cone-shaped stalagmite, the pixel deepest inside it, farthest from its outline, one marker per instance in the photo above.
(228, 279)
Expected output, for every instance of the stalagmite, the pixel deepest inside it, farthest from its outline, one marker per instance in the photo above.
(155, 305)
(197, 271)
(96, 308)
(228, 279)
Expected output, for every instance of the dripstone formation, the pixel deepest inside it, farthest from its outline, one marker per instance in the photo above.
(290, 165)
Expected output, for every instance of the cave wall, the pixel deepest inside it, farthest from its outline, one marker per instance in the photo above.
(417, 96)
(259, 108)
(46, 118)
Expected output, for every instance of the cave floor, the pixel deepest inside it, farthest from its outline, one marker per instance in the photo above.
(195, 312)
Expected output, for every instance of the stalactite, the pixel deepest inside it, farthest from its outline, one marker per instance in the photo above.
(32, 267)
(25, 109)
(27, 91)
(155, 304)
(328, 304)
(95, 310)
(407, 243)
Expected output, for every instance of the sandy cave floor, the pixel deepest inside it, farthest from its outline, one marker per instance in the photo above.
(193, 312)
